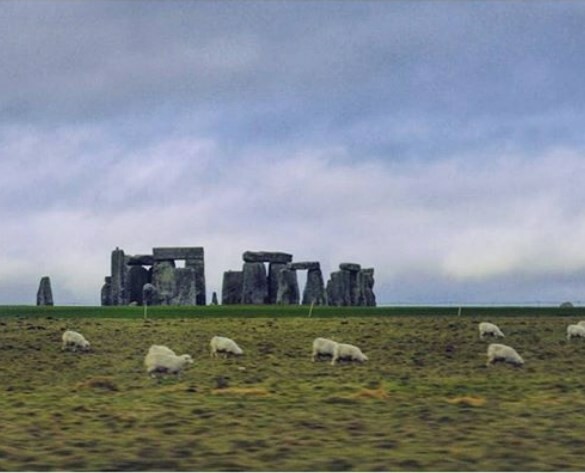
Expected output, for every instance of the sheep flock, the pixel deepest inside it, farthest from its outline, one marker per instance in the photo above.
(161, 360)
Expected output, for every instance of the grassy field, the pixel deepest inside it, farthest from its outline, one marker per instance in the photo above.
(424, 401)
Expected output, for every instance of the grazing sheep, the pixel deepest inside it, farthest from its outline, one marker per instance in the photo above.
(498, 352)
(74, 340)
(575, 331)
(323, 347)
(161, 349)
(224, 345)
(161, 363)
(485, 328)
(344, 351)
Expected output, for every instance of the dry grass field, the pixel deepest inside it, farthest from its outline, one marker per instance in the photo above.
(424, 401)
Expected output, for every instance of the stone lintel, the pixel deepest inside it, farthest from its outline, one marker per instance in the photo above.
(351, 267)
(140, 260)
(309, 265)
(266, 257)
(180, 253)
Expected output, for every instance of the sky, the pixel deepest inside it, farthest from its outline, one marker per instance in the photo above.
(440, 142)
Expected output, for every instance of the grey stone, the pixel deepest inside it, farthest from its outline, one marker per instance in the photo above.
(185, 290)
(149, 294)
(273, 271)
(288, 287)
(140, 260)
(254, 284)
(352, 267)
(44, 293)
(266, 257)
(163, 279)
(118, 277)
(314, 292)
(198, 265)
(308, 265)
(231, 289)
(106, 294)
(338, 289)
(180, 252)
(214, 298)
(136, 278)
(365, 283)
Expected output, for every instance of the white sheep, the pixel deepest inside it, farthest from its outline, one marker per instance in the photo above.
(582, 323)
(486, 328)
(224, 345)
(74, 340)
(344, 351)
(160, 363)
(498, 352)
(161, 349)
(575, 331)
(323, 347)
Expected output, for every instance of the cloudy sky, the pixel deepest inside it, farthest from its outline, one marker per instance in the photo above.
(440, 142)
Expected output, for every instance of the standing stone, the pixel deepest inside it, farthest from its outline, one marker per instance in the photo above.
(288, 287)
(366, 288)
(149, 295)
(45, 294)
(254, 284)
(118, 277)
(273, 271)
(315, 289)
(231, 289)
(198, 265)
(338, 289)
(106, 294)
(185, 291)
(136, 278)
(353, 270)
(163, 279)
(214, 298)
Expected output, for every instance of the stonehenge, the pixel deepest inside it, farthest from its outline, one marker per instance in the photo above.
(278, 283)
(45, 294)
(157, 277)
(266, 277)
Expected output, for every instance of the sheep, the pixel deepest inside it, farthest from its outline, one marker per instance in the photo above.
(498, 352)
(486, 328)
(344, 351)
(224, 345)
(160, 363)
(582, 323)
(74, 340)
(161, 349)
(575, 331)
(323, 347)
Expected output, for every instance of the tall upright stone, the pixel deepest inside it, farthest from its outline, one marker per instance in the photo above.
(136, 278)
(163, 279)
(338, 289)
(354, 291)
(118, 277)
(314, 292)
(288, 287)
(231, 289)
(106, 294)
(366, 288)
(254, 284)
(194, 258)
(44, 293)
(273, 271)
(185, 290)
(214, 298)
